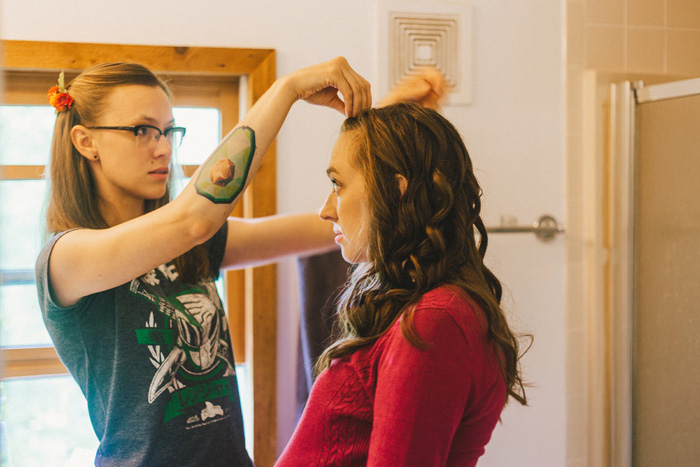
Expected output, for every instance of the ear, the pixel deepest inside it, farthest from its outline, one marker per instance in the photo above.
(83, 142)
(403, 183)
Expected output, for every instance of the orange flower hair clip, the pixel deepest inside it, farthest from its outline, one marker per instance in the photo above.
(59, 97)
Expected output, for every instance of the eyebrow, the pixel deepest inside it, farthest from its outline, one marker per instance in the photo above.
(330, 170)
(153, 120)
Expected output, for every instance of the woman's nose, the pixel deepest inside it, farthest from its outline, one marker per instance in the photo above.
(163, 147)
(328, 212)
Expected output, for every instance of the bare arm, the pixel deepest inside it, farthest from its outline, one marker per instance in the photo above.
(88, 261)
(253, 242)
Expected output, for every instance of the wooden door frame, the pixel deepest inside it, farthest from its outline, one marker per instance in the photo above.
(258, 68)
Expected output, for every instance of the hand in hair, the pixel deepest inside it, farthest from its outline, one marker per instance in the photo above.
(320, 85)
(428, 88)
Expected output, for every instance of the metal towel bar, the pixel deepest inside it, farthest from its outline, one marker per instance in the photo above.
(545, 228)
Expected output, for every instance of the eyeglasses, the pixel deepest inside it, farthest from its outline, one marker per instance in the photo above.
(147, 136)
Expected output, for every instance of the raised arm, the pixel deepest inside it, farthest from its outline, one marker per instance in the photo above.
(87, 261)
(305, 234)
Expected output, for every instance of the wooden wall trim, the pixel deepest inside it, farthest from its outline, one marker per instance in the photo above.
(32, 55)
(22, 172)
(39, 361)
(261, 286)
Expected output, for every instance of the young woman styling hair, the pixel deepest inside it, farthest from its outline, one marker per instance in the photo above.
(126, 280)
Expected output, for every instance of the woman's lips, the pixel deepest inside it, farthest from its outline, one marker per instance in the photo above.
(160, 174)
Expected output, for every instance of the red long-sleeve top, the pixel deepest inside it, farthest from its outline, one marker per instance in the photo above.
(392, 404)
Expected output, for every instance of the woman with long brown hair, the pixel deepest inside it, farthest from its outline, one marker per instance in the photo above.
(426, 361)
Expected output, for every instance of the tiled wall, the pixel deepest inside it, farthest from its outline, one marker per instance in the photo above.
(650, 36)
(659, 37)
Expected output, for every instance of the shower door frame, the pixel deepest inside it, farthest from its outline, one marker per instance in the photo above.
(625, 98)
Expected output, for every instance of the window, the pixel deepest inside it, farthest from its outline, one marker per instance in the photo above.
(206, 84)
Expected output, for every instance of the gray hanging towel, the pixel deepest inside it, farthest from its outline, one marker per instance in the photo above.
(321, 279)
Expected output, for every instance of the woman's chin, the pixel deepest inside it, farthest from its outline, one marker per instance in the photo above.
(353, 257)
(155, 195)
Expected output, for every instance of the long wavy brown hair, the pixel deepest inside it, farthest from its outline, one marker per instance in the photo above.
(421, 239)
(73, 198)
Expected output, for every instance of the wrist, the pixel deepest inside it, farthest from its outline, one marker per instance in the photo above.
(284, 88)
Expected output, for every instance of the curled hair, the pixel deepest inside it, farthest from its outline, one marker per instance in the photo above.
(73, 199)
(421, 239)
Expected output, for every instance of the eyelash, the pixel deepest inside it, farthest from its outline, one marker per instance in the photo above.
(334, 182)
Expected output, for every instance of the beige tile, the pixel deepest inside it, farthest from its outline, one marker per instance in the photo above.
(683, 49)
(646, 49)
(576, 363)
(574, 180)
(575, 220)
(576, 431)
(605, 11)
(574, 33)
(574, 168)
(604, 48)
(575, 318)
(683, 13)
(574, 100)
(645, 12)
(574, 201)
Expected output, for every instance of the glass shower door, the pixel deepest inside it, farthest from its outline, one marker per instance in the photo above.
(666, 284)
(654, 273)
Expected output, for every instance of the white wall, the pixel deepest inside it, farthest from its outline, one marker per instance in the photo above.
(513, 129)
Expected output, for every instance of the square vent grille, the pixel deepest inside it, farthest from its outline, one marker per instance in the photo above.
(420, 33)
(423, 40)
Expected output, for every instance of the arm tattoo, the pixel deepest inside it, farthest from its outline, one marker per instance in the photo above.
(224, 174)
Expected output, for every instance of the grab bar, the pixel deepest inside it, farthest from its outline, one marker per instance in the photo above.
(545, 228)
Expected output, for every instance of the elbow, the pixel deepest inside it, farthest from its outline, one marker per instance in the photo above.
(195, 222)
(199, 230)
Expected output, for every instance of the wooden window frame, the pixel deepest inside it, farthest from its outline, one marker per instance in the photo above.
(253, 291)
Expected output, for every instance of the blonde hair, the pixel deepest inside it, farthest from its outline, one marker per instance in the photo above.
(73, 201)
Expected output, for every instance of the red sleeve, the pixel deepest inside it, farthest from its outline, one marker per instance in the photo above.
(421, 395)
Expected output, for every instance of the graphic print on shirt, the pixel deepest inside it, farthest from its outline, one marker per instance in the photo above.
(186, 339)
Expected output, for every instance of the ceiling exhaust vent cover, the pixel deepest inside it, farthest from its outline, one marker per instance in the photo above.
(427, 34)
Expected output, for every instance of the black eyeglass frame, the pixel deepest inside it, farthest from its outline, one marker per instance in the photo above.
(135, 130)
